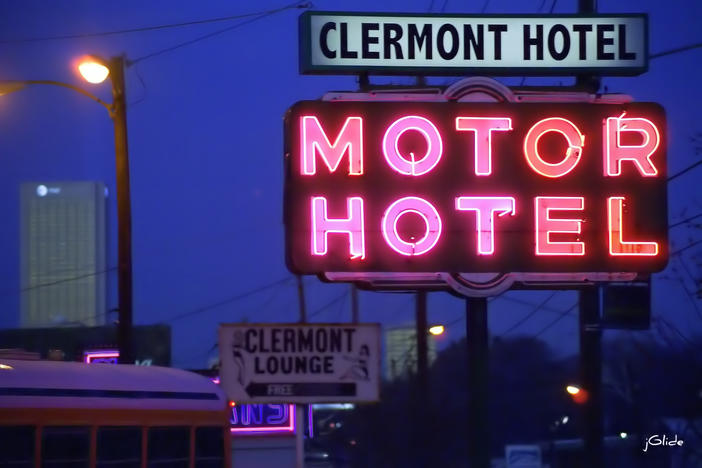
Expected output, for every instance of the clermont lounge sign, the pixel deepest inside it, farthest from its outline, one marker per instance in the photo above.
(334, 42)
(475, 187)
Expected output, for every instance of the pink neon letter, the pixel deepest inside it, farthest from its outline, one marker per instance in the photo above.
(314, 140)
(545, 225)
(617, 246)
(485, 209)
(615, 152)
(352, 225)
(414, 167)
(483, 128)
(411, 205)
(575, 139)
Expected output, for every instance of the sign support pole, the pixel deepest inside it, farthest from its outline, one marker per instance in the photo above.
(422, 349)
(477, 345)
(301, 298)
(590, 332)
(300, 409)
(421, 394)
(354, 304)
(591, 374)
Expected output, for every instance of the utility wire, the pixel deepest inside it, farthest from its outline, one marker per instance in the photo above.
(553, 7)
(239, 296)
(257, 17)
(690, 294)
(675, 51)
(688, 246)
(685, 221)
(556, 320)
(67, 280)
(661, 321)
(688, 168)
(341, 297)
(527, 303)
(530, 314)
(141, 29)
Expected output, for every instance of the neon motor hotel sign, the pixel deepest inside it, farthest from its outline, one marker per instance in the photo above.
(475, 187)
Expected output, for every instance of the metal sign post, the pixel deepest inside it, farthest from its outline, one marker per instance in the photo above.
(478, 377)
(591, 375)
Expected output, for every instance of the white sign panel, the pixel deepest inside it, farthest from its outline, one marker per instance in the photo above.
(332, 42)
(523, 456)
(300, 363)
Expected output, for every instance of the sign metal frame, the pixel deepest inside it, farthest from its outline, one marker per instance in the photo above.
(476, 89)
(307, 67)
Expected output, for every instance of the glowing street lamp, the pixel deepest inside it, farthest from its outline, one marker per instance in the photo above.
(93, 70)
(96, 70)
(437, 330)
(579, 394)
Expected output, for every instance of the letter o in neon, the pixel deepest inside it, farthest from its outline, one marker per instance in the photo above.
(423, 208)
(392, 152)
(573, 137)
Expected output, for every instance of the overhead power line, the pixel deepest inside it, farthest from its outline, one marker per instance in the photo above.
(239, 296)
(340, 297)
(675, 51)
(530, 314)
(685, 221)
(688, 246)
(142, 29)
(257, 17)
(563, 315)
(688, 168)
(61, 281)
(527, 303)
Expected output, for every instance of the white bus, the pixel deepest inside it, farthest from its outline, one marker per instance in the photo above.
(75, 415)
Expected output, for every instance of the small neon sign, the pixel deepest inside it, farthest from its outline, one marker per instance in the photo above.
(262, 419)
(475, 187)
(103, 356)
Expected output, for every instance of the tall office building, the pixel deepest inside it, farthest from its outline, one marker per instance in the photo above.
(63, 253)
(401, 352)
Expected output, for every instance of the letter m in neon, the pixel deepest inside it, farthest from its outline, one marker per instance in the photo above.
(314, 141)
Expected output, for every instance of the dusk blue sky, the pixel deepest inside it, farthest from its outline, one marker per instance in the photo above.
(205, 143)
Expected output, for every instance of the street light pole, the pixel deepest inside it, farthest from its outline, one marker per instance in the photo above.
(118, 113)
(124, 211)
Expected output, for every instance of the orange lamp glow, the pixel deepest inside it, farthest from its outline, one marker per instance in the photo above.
(437, 330)
(93, 71)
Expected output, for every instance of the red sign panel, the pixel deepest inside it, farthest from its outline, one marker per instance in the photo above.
(475, 187)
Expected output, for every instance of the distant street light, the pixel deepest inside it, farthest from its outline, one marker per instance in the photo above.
(96, 70)
(437, 330)
(579, 394)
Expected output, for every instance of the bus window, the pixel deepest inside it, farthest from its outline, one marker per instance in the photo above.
(169, 447)
(209, 445)
(17, 446)
(118, 447)
(65, 447)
